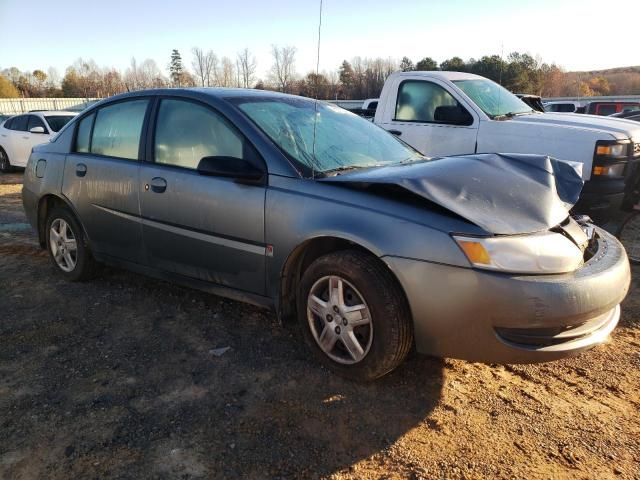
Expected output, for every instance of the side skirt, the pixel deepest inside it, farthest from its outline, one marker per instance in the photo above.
(215, 289)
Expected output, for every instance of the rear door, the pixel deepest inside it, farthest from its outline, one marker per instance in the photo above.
(203, 227)
(423, 118)
(17, 141)
(101, 177)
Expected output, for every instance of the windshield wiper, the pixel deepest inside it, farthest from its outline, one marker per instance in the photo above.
(338, 170)
(510, 115)
(346, 168)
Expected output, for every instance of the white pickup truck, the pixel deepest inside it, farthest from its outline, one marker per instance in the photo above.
(453, 113)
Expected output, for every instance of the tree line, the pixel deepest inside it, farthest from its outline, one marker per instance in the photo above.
(355, 79)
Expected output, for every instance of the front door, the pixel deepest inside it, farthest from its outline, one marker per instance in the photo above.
(101, 178)
(432, 121)
(204, 227)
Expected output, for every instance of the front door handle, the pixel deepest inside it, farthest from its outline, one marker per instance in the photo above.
(397, 133)
(81, 170)
(158, 185)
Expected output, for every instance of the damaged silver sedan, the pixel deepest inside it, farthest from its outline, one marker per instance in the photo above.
(310, 210)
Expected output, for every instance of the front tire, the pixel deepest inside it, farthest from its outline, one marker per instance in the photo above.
(67, 246)
(354, 316)
(5, 164)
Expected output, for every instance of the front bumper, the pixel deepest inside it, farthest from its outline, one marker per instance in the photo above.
(492, 317)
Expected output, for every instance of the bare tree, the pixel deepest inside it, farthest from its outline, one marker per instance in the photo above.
(283, 68)
(227, 75)
(203, 65)
(246, 68)
(131, 79)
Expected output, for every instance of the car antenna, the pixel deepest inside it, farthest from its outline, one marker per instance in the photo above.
(315, 113)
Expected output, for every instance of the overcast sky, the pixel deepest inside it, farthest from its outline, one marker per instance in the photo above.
(576, 34)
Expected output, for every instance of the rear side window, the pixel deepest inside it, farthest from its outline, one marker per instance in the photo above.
(35, 121)
(186, 132)
(418, 101)
(20, 123)
(9, 124)
(83, 137)
(118, 129)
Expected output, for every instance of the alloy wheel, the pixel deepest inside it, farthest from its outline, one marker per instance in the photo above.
(339, 320)
(62, 242)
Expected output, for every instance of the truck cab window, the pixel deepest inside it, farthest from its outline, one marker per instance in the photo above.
(418, 100)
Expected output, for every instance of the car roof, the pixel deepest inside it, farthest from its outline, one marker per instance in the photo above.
(215, 92)
(52, 113)
(446, 75)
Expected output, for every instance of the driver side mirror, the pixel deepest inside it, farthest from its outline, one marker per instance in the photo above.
(37, 130)
(452, 115)
(230, 167)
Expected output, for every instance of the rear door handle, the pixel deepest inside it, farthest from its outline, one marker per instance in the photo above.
(397, 133)
(158, 185)
(81, 170)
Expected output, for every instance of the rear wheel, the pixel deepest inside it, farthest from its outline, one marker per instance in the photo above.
(5, 164)
(354, 316)
(629, 235)
(67, 246)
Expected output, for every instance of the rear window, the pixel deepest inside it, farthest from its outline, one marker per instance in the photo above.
(56, 122)
(606, 109)
(20, 123)
(118, 129)
(83, 138)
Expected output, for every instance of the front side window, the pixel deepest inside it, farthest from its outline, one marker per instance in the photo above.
(492, 99)
(323, 137)
(419, 101)
(83, 137)
(186, 132)
(118, 129)
(56, 122)
(35, 121)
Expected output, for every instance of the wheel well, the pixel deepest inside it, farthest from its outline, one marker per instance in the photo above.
(45, 205)
(298, 261)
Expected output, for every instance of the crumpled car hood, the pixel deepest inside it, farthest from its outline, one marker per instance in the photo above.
(503, 194)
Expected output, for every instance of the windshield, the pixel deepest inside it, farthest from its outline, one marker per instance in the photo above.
(56, 122)
(342, 140)
(493, 99)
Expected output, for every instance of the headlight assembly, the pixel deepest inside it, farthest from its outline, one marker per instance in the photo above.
(546, 252)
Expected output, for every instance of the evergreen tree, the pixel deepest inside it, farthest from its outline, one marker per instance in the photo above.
(406, 65)
(426, 64)
(176, 70)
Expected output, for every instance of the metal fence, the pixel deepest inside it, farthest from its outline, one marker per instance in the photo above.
(14, 106)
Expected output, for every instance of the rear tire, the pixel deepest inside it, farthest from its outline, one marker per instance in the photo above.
(67, 246)
(5, 164)
(354, 315)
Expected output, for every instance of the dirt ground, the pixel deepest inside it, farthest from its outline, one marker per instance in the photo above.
(116, 378)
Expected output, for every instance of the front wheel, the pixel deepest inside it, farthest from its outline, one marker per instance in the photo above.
(354, 316)
(67, 247)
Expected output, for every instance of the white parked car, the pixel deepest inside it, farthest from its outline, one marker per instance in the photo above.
(19, 134)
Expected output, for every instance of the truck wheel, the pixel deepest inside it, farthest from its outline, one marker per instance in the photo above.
(67, 246)
(5, 164)
(354, 316)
